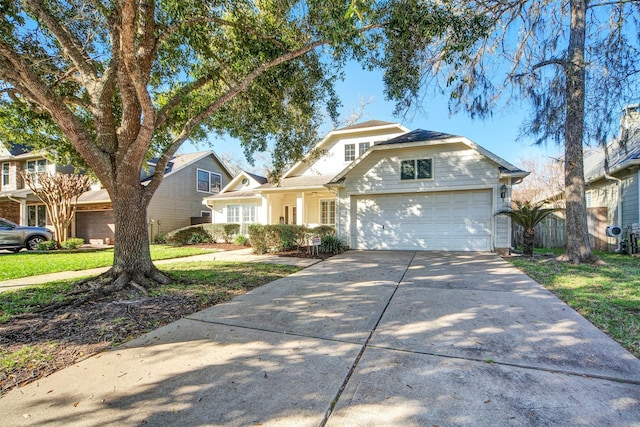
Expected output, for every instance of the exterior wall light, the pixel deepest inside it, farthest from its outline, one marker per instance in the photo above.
(503, 191)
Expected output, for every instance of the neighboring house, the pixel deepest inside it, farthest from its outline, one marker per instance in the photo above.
(176, 203)
(383, 187)
(17, 201)
(612, 178)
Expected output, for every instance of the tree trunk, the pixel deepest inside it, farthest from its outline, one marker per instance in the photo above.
(132, 256)
(528, 241)
(578, 248)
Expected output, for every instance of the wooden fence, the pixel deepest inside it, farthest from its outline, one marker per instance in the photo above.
(552, 232)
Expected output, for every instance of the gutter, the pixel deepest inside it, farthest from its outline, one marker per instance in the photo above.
(618, 182)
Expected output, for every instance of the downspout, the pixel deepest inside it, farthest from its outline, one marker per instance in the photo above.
(618, 221)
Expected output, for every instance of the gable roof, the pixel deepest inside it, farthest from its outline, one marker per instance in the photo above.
(419, 138)
(368, 126)
(618, 157)
(181, 161)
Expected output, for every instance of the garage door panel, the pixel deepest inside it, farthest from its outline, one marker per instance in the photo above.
(434, 221)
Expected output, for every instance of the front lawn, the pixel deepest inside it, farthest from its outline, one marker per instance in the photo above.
(608, 296)
(25, 264)
(37, 343)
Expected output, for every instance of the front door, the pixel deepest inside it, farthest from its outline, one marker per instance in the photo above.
(290, 214)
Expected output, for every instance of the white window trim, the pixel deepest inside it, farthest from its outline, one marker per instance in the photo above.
(360, 150)
(355, 152)
(6, 175)
(415, 159)
(210, 191)
(335, 213)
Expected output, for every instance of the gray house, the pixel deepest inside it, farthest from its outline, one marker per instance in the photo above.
(612, 176)
(176, 203)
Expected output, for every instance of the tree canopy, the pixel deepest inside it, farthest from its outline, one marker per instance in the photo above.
(115, 82)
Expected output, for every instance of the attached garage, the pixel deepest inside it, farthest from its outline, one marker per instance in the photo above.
(451, 221)
(95, 226)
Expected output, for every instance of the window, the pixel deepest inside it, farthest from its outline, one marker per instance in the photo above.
(209, 182)
(589, 199)
(349, 152)
(205, 214)
(233, 214)
(363, 146)
(36, 216)
(37, 166)
(416, 169)
(327, 212)
(248, 214)
(5, 174)
(241, 214)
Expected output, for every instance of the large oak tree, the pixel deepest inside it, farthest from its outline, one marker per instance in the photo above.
(112, 82)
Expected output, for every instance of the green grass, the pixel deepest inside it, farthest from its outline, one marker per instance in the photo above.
(212, 282)
(27, 357)
(608, 296)
(25, 264)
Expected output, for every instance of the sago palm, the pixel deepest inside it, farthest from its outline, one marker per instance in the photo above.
(527, 215)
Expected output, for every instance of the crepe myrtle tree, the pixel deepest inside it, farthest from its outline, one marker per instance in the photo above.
(59, 192)
(573, 62)
(111, 83)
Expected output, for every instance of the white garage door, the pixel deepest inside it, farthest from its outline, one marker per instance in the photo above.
(455, 221)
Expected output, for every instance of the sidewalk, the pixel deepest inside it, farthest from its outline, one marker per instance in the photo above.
(240, 255)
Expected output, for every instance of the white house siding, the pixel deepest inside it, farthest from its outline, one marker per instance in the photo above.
(332, 162)
(455, 169)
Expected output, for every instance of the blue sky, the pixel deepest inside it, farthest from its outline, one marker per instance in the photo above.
(498, 134)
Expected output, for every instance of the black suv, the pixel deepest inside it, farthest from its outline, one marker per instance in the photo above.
(15, 237)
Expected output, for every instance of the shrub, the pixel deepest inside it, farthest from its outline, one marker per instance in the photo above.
(241, 240)
(47, 245)
(322, 230)
(230, 231)
(276, 238)
(73, 243)
(330, 244)
(189, 236)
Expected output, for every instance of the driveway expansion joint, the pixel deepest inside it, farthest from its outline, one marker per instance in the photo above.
(357, 359)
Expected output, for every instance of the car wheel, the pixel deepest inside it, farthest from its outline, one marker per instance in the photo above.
(32, 242)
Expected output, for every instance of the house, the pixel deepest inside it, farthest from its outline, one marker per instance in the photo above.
(176, 203)
(384, 187)
(612, 177)
(17, 202)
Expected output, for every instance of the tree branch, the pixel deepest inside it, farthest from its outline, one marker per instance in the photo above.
(69, 44)
(612, 3)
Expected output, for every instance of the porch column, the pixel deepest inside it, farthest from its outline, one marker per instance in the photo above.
(299, 208)
(264, 216)
(24, 215)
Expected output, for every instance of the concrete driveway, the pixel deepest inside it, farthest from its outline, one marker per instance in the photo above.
(361, 339)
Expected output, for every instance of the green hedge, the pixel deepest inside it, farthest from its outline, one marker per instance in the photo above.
(203, 233)
(284, 237)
